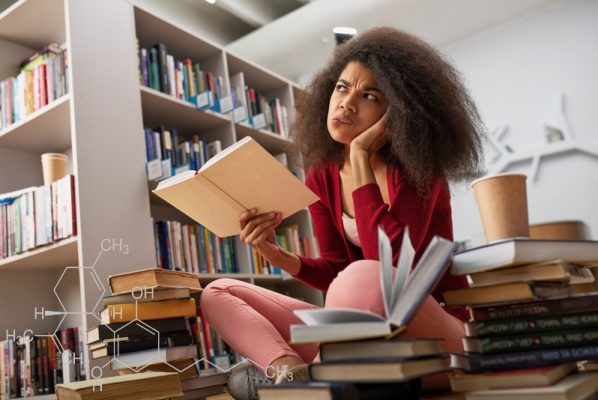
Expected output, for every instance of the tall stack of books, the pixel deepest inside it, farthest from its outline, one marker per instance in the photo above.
(150, 324)
(534, 315)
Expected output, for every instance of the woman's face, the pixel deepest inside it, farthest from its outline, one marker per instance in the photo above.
(356, 103)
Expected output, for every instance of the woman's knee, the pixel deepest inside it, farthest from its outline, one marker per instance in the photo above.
(213, 290)
(357, 286)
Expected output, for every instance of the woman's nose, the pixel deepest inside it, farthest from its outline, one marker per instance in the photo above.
(347, 104)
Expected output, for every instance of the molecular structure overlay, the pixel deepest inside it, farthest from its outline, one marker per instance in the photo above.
(158, 355)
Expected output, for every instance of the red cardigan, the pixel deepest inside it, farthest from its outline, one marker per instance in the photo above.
(425, 219)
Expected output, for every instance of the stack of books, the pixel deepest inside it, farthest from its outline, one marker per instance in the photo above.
(364, 355)
(534, 315)
(149, 323)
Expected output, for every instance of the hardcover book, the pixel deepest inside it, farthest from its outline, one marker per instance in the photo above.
(524, 251)
(241, 177)
(153, 278)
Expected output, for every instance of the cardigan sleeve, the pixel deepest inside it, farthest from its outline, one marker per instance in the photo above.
(319, 272)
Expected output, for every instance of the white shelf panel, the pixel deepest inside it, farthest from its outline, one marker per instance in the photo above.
(53, 256)
(34, 23)
(269, 140)
(162, 109)
(261, 80)
(46, 130)
(179, 42)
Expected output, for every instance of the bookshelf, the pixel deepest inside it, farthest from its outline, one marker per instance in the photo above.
(99, 124)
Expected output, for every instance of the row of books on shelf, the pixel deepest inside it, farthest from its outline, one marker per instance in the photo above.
(260, 111)
(183, 79)
(34, 365)
(37, 216)
(42, 78)
(193, 248)
(168, 153)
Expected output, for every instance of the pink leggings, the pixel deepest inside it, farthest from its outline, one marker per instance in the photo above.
(255, 321)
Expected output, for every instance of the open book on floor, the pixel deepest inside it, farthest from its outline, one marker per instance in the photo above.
(402, 297)
(241, 177)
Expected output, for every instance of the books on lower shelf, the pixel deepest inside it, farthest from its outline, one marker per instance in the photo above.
(34, 365)
(37, 216)
(193, 248)
(42, 78)
(241, 177)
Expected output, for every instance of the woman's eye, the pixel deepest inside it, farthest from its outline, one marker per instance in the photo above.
(370, 96)
(341, 88)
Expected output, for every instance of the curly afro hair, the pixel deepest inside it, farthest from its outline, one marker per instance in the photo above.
(435, 129)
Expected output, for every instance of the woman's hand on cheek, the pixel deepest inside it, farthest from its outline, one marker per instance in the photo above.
(257, 230)
(373, 138)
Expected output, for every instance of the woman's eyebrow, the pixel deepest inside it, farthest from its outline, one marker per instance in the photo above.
(368, 88)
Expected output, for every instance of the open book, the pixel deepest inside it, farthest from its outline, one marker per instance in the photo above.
(241, 177)
(402, 296)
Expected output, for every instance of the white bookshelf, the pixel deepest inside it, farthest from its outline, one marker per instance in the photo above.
(99, 123)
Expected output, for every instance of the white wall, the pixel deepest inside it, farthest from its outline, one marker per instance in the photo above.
(515, 73)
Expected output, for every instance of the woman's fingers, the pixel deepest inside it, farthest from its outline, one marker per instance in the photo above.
(245, 216)
(257, 224)
(261, 231)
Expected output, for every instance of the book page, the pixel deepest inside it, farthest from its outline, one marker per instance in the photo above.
(255, 179)
(385, 256)
(403, 267)
(325, 316)
(426, 274)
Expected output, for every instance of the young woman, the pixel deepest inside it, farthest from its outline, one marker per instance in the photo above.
(385, 125)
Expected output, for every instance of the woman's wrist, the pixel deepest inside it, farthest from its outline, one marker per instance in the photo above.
(287, 261)
(361, 169)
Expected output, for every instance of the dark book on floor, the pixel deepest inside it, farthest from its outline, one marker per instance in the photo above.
(405, 390)
(135, 344)
(566, 305)
(104, 332)
(524, 251)
(502, 327)
(368, 349)
(379, 370)
(531, 341)
(477, 362)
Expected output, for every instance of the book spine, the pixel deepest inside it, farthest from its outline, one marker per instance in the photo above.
(540, 340)
(540, 324)
(529, 359)
(567, 305)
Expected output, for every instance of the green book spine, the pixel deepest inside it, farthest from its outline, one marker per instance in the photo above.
(154, 69)
(540, 340)
(531, 324)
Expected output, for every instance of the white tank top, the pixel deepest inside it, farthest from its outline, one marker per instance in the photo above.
(350, 227)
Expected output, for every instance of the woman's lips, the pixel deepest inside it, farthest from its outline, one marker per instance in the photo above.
(342, 120)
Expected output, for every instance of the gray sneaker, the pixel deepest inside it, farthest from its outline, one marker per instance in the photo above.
(243, 382)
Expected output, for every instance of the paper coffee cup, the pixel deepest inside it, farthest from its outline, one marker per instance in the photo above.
(502, 203)
(559, 230)
(53, 166)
